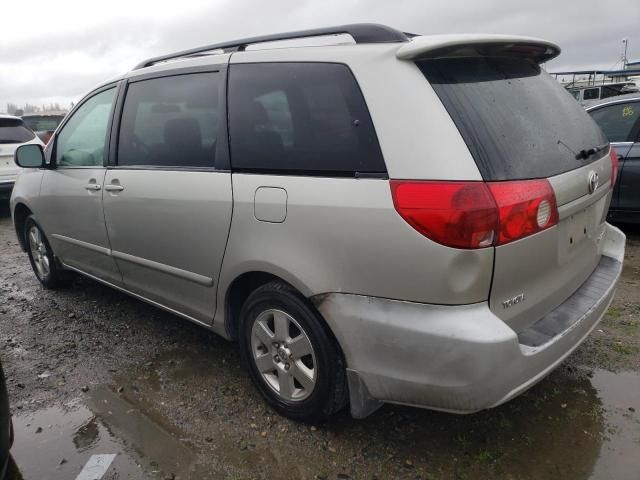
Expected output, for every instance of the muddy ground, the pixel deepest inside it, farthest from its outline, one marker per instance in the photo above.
(92, 371)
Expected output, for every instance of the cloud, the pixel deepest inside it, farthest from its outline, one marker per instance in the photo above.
(58, 54)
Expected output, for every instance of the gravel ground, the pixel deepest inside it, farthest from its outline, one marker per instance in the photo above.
(91, 370)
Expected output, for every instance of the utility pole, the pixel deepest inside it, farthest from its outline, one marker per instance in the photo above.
(625, 45)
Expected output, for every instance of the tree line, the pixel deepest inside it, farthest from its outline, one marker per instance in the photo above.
(14, 109)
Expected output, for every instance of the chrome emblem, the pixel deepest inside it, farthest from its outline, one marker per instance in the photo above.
(594, 181)
(513, 301)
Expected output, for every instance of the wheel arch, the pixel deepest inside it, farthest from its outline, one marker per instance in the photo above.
(20, 214)
(239, 289)
(245, 283)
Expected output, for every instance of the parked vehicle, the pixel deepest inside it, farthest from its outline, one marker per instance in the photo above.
(405, 219)
(13, 133)
(589, 94)
(44, 123)
(619, 118)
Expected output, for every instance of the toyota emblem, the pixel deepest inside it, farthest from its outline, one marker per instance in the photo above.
(594, 181)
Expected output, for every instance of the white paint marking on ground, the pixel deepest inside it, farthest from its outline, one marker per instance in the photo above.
(96, 467)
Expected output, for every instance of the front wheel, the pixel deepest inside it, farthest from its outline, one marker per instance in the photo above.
(41, 256)
(291, 356)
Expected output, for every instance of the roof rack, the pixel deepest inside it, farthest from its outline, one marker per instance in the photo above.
(360, 32)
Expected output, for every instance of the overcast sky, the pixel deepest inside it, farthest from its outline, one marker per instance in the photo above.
(57, 51)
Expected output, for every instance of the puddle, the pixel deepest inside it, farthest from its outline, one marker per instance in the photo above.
(620, 453)
(55, 443)
(67, 440)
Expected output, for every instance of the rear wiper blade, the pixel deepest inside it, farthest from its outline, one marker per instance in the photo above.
(586, 153)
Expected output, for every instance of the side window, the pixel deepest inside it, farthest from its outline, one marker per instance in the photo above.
(276, 105)
(171, 121)
(300, 118)
(618, 121)
(591, 94)
(610, 91)
(81, 143)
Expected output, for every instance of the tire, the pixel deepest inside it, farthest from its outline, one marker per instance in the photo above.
(299, 370)
(43, 261)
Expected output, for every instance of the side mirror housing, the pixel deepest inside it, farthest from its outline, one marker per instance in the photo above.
(29, 156)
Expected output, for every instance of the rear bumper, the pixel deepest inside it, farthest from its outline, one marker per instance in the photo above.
(460, 358)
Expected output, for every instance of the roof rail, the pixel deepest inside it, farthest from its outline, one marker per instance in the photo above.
(360, 32)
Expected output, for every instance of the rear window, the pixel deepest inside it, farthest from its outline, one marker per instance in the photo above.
(43, 123)
(14, 131)
(300, 118)
(518, 122)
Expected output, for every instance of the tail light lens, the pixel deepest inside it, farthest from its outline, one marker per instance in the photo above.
(457, 214)
(614, 166)
(525, 207)
(476, 214)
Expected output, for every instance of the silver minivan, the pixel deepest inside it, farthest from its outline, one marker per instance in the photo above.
(375, 217)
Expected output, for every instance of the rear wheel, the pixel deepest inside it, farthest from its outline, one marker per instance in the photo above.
(291, 357)
(41, 256)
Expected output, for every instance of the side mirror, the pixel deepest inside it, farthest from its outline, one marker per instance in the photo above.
(29, 156)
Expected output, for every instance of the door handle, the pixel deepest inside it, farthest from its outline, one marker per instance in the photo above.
(92, 186)
(114, 187)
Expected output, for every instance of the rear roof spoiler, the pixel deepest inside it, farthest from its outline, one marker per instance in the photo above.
(438, 46)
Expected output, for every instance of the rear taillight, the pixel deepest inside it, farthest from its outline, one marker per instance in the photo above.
(475, 214)
(614, 166)
(457, 214)
(525, 207)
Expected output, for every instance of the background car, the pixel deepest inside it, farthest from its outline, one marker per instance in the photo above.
(13, 133)
(44, 123)
(593, 94)
(619, 118)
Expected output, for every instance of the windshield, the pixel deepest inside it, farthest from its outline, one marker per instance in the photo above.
(43, 123)
(518, 122)
(14, 131)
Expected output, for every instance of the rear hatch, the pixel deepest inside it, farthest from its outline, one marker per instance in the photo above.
(13, 133)
(524, 130)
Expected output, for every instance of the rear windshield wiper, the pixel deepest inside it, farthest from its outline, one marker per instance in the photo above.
(584, 154)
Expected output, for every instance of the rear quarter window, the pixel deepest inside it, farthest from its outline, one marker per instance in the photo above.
(518, 122)
(300, 118)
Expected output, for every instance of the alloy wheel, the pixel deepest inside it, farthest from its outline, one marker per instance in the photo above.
(39, 253)
(283, 355)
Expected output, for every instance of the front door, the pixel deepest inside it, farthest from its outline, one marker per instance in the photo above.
(167, 205)
(71, 191)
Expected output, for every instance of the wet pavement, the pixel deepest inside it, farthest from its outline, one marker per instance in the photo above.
(103, 423)
(93, 372)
